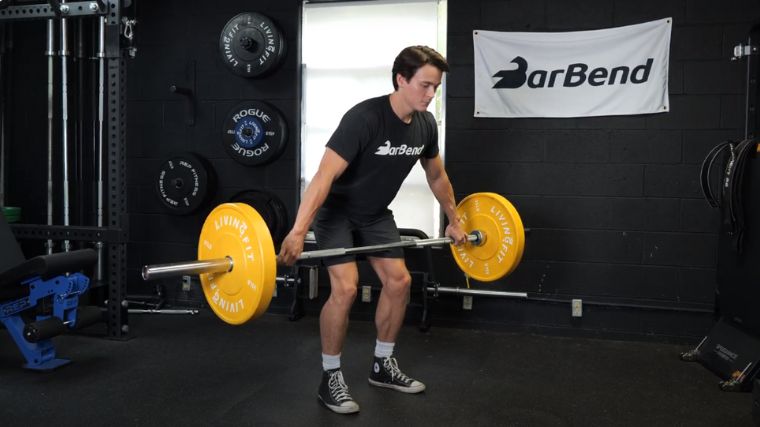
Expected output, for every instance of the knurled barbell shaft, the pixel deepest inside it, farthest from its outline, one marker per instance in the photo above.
(224, 265)
(475, 237)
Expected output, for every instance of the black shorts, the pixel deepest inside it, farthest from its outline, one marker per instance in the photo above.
(333, 228)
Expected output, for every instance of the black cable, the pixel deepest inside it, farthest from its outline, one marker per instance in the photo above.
(705, 172)
(726, 181)
(743, 152)
(732, 202)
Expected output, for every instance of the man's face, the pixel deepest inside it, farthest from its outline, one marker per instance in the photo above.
(419, 91)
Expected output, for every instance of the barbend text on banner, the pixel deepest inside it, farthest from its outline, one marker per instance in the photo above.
(613, 71)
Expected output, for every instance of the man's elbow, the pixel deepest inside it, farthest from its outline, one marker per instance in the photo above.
(432, 174)
(438, 180)
(325, 177)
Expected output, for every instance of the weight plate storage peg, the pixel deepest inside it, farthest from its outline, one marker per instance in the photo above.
(254, 133)
(237, 231)
(502, 227)
(184, 183)
(251, 45)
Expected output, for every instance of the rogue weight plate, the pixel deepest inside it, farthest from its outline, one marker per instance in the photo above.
(271, 209)
(254, 133)
(251, 45)
(502, 227)
(237, 231)
(184, 183)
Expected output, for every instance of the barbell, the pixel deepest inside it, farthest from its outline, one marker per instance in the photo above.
(238, 266)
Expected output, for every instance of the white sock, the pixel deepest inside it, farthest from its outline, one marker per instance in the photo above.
(383, 349)
(330, 362)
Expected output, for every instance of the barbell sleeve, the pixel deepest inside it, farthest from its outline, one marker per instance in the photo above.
(160, 271)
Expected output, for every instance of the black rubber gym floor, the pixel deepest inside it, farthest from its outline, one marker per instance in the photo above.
(197, 371)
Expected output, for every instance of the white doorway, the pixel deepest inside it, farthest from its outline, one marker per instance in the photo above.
(348, 50)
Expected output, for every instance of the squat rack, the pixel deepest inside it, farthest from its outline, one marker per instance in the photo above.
(110, 235)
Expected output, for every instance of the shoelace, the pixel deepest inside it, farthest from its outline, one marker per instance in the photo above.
(338, 387)
(391, 364)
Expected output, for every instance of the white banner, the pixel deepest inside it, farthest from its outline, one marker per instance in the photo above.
(584, 73)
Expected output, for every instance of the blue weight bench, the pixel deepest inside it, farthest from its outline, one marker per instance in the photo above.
(43, 281)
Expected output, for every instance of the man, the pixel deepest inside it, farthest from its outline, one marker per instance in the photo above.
(370, 154)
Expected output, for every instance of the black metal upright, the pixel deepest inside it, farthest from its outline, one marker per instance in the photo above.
(118, 325)
(753, 87)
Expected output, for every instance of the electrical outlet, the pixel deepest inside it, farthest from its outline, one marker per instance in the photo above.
(577, 306)
(467, 302)
(187, 282)
(366, 293)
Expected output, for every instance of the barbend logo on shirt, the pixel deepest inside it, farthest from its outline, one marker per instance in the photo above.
(402, 150)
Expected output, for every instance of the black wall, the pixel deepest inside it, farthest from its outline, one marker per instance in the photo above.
(613, 203)
(179, 44)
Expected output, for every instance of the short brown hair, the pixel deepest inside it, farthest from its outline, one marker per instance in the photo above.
(413, 58)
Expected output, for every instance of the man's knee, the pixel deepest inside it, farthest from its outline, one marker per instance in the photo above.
(343, 292)
(398, 283)
(344, 279)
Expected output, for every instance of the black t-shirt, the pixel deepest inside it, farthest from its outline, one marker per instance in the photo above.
(380, 150)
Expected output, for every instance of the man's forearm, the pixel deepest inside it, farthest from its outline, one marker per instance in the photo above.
(313, 198)
(444, 193)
